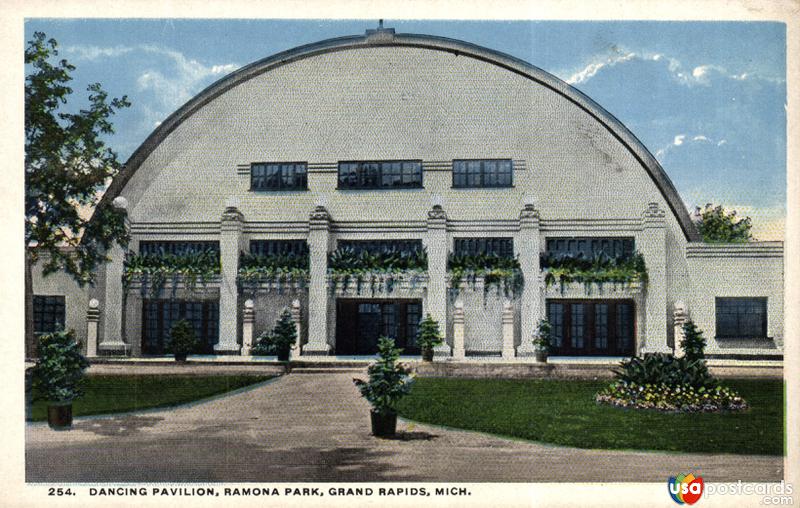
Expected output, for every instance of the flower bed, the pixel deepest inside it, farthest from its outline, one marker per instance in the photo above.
(681, 398)
(501, 273)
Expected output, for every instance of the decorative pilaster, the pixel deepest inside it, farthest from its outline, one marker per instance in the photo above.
(652, 244)
(459, 351)
(318, 238)
(436, 245)
(230, 244)
(679, 318)
(297, 346)
(528, 249)
(248, 320)
(508, 331)
(92, 321)
(113, 340)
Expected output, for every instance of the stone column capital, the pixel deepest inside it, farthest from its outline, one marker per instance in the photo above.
(529, 216)
(654, 216)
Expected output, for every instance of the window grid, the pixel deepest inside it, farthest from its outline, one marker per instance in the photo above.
(503, 247)
(176, 247)
(381, 246)
(555, 315)
(589, 246)
(601, 325)
(483, 173)
(278, 176)
(273, 247)
(160, 315)
(744, 318)
(48, 314)
(380, 174)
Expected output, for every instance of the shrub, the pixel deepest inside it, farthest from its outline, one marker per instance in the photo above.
(661, 381)
(388, 382)
(279, 339)
(429, 335)
(693, 342)
(543, 338)
(59, 371)
(183, 340)
(718, 226)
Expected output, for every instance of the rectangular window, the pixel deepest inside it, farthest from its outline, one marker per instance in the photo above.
(483, 173)
(381, 246)
(380, 175)
(273, 247)
(278, 176)
(160, 315)
(48, 314)
(502, 247)
(590, 246)
(741, 318)
(160, 248)
(555, 314)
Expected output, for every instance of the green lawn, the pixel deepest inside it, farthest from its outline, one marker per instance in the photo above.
(565, 413)
(113, 394)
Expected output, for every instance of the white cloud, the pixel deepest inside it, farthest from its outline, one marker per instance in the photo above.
(82, 52)
(700, 75)
(679, 139)
(701, 138)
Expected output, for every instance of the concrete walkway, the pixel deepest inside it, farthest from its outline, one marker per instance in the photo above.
(315, 428)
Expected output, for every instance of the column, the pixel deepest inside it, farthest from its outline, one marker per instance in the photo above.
(508, 331)
(92, 322)
(113, 332)
(298, 329)
(318, 238)
(230, 244)
(436, 245)
(679, 318)
(652, 244)
(459, 350)
(526, 244)
(248, 320)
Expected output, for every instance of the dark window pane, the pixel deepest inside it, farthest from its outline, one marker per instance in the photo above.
(590, 246)
(381, 246)
(482, 173)
(278, 176)
(283, 247)
(48, 314)
(578, 325)
(177, 247)
(380, 174)
(741, 317)
(503, 247)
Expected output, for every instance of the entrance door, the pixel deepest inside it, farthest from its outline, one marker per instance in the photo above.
(592, 327)
(360, 323)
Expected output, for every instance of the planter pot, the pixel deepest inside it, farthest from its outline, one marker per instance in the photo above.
(59, 416)
(383, 424)
(541, 356)
(427, 354)
(283, 356)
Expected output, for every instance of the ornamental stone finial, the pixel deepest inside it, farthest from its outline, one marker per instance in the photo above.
(320, 214)
(437, 213)
(120, 202)
(653, 211)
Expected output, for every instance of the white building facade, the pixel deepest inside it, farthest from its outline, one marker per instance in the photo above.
(409, 144)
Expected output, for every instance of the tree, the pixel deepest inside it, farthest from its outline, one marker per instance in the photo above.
(67, 167)
(718, 226)
(693, 342)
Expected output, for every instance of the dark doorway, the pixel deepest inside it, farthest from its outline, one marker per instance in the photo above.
(592, 327)
(359, 324)
(158, 316)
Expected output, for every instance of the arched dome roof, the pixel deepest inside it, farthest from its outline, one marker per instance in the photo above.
(387, 37)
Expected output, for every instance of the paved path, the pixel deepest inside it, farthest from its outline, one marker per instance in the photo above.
(315, 428)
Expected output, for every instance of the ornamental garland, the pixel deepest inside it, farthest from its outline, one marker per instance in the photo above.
(597, 269)
(381, 270)
(154, 270)
(279, 269)
(501, 273)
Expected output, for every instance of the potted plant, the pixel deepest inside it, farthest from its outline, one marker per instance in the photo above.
(543, 340)
(280, 340)
(428, 337)
(57, 375)
(388, 383)
(183, 339)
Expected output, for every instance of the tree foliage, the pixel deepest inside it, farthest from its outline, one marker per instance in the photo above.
(59, 370)
(693, 343)
(388, 381)
(429, 335)
(280, 339)
(718, 226)
(67, 166)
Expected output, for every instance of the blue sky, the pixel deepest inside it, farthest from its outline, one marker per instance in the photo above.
(706, 98)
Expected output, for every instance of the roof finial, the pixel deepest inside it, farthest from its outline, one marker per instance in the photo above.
(380, 24)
